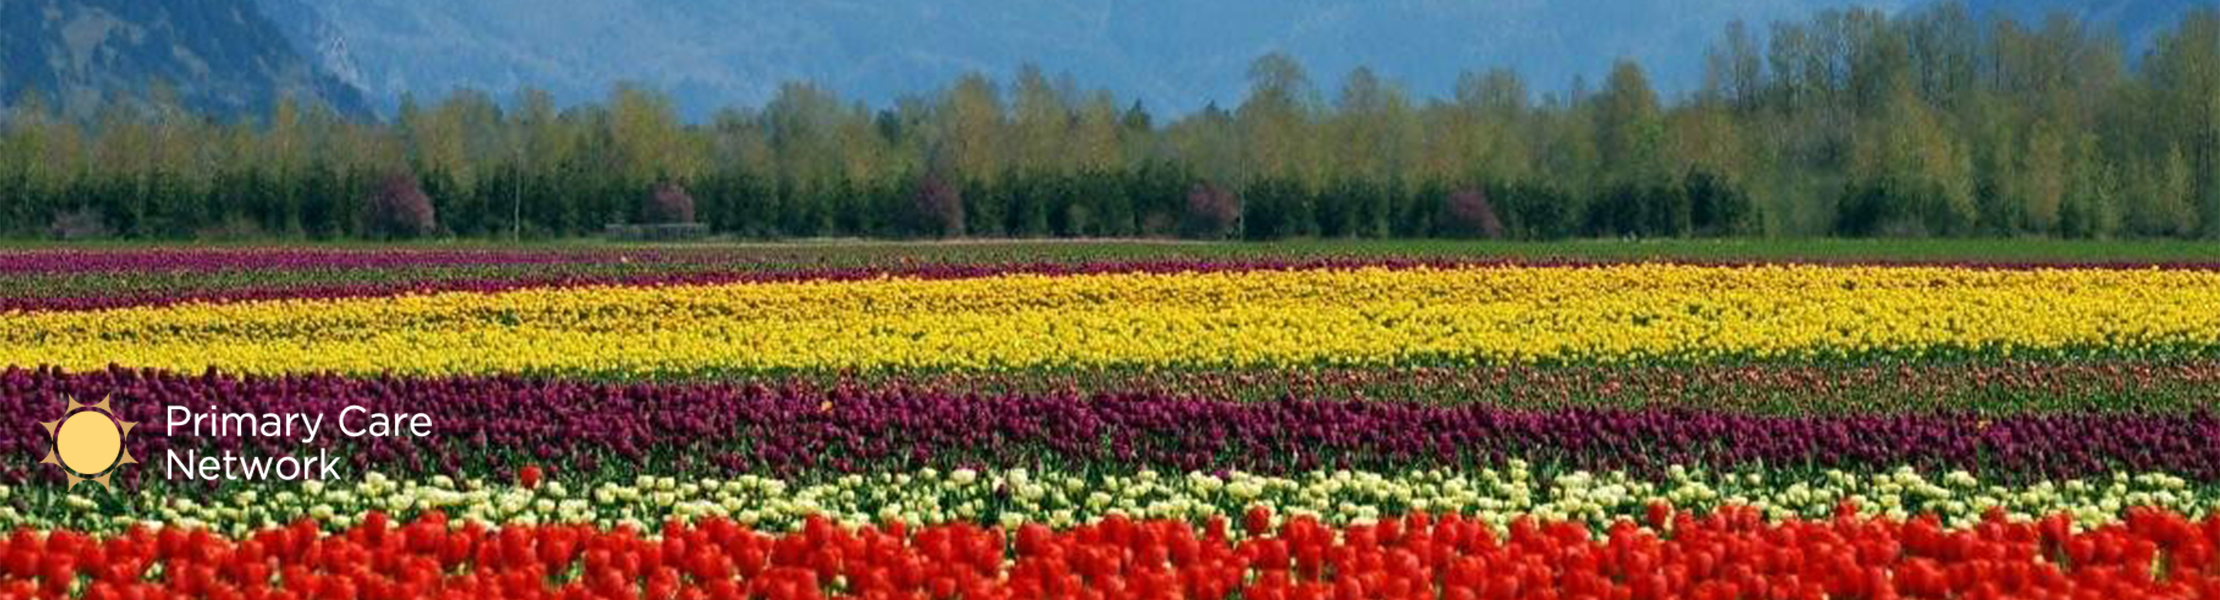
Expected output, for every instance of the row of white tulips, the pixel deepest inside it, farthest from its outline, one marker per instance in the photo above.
(1016, 496)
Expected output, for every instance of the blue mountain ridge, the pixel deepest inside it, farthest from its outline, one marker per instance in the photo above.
(1175, 57)
(216, 56)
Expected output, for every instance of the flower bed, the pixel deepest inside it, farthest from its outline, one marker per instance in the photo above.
(494, 425)
(1724, 554)
(1232, 319)
(745, 423)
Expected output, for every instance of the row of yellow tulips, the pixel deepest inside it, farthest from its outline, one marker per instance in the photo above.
(1255, 318)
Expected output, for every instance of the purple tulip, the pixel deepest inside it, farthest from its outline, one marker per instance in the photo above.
(360, 273)
(491, 424)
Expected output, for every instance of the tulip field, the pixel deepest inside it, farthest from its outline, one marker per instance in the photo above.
(1116, 421)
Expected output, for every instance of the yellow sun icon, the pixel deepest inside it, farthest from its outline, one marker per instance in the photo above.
(88, 442)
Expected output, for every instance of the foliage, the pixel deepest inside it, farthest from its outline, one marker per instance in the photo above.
(936, 208)
(1928, 122)
(1211, 212)
(1471, 214)
(399, 208)
(669, 203)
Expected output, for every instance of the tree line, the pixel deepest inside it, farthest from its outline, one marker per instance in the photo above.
(1851, 123)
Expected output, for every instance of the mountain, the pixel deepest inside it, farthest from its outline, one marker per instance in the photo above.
(1175, 56)
(221, 57)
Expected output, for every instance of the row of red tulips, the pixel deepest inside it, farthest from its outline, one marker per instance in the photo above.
(1727, 554)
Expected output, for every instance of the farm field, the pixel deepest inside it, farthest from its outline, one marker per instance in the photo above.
(1732, 419)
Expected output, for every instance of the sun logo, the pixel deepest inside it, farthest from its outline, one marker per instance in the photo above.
(88, 442)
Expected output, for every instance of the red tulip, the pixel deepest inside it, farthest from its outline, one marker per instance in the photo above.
(1725, 554)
